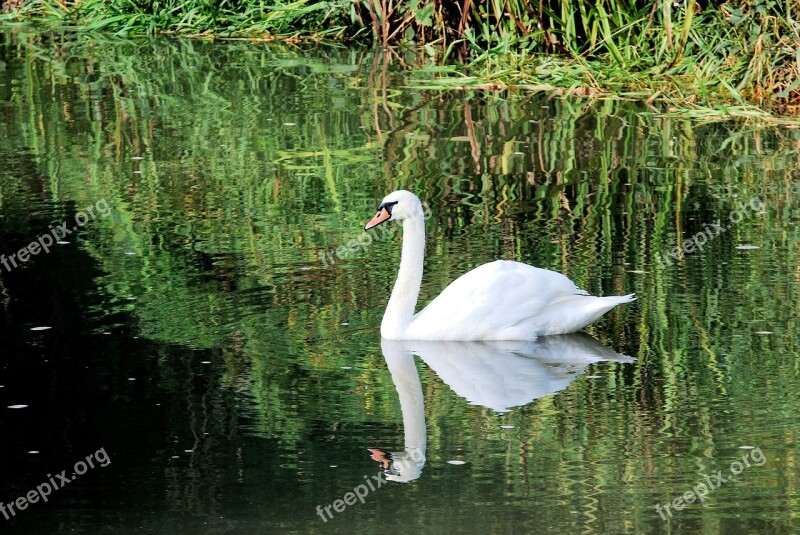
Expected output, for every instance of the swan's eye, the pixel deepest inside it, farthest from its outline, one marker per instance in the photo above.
(387, 206)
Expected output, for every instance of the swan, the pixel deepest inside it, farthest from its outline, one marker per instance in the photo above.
(501, 374)
(501, 300)
(497, 375)
(404, 466)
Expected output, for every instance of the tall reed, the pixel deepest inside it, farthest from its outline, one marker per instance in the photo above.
(743, 51)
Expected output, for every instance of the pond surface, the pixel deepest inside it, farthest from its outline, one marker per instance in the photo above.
(203, 351)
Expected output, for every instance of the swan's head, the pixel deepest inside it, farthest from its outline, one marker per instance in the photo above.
(403, 466)
(398, 205)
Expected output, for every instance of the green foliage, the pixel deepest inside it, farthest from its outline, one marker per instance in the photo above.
(741, 51)
(256, 159)
(246, 18)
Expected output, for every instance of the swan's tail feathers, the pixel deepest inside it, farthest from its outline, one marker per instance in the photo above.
(621, 357)
(604, 304)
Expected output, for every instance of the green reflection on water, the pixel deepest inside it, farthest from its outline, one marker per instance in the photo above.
(236, 173)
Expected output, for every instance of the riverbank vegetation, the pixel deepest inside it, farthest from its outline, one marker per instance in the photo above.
(740, 55)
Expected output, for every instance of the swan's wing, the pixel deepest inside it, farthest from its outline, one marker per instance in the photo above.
(491, 298)
(493, 374)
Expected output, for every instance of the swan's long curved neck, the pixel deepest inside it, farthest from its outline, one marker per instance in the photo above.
(409, 389)
(400, 361)
(400, 309)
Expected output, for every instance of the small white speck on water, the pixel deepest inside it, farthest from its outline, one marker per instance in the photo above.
(188, 451)
(334, 466)
(130, 253)
(138, 158)
(763, 332)
(42, 328)
(131, 378)
(62, 242)
(345, 323)
(507, 426)
(137, 172)
(347, 367)
(17, 406)
(747, 247)
(289, 124)
(746, 447)
(594, 376)
(456, 462)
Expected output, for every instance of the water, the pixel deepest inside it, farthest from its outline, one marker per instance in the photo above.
(211, 343)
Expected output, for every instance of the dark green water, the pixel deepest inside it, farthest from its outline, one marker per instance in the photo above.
(231, 380)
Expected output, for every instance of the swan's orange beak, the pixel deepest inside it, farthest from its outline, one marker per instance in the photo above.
(382, 215)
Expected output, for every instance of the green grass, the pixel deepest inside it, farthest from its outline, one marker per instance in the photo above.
(737, 55)
(193, 18)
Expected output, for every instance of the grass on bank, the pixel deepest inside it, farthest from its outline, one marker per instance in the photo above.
(741, 55)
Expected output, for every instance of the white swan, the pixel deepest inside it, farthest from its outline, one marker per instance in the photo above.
(501, 300)
(406, 465)
(497, 375)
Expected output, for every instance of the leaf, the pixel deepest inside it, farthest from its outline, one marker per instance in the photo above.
(424, 16)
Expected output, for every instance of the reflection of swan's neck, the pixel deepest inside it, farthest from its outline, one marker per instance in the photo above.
(409, 389)
(412, 405)
(400, 310)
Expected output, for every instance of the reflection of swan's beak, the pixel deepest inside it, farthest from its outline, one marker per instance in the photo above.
(378, 455)
(400, 466)
(382, 215)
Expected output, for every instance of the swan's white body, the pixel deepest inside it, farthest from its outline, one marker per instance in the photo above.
(498, 375)
(501, 300)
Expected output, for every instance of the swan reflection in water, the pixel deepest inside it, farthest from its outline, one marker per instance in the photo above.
(497, 375)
